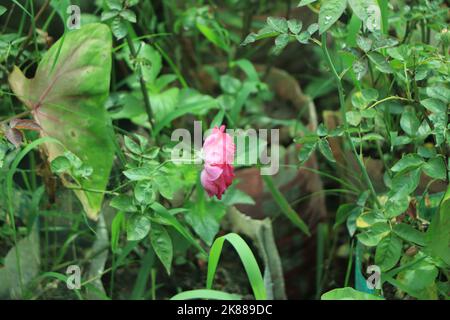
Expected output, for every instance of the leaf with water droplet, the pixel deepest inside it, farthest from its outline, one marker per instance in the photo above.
(330, 12)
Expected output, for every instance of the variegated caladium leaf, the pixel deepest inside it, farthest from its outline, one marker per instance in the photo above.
(66, 98)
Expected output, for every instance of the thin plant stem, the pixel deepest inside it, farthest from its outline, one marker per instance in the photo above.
(147, 105)
(342, 107)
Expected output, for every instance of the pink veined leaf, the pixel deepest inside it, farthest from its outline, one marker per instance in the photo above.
(14, 136)
(24, 124)
(66, 98)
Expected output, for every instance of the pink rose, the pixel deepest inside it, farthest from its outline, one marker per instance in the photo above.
(218, 154)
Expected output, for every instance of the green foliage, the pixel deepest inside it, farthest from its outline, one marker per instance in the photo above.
(330, 12)
(361, 84)
(348, 294)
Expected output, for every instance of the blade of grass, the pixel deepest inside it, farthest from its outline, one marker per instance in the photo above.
(283, 204)
(322, 234)
(205, 294)
(165, 214)
(143, 275)
(247, 258)
(9, 195)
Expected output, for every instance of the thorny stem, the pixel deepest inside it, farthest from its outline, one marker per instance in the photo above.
(344, 120)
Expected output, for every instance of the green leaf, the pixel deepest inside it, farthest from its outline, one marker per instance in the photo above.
(60, 7)
(71, 92)
(204, 217)
(164, 187)
(152, 153)
(369, 218)
(330, 12)
(388, 252)
(295, 26)
(439, 118)
(348, 293)
(2, 10)
(138, 227)
(164, 102)
(213, 32)
(3, 150)
(353, 117)
(303, 37)
(426, 151)
(247, 258)
(410, 161)
(281, 42)
(380, 62)
(360, 68)
(434, 105)
(141, 173)
(119, 28)
(151, 63)
(409, 122)
(343, 213)
(284, 205)
(408, 233)
(235, 196)
(312, 28)
(123, 203)
(305, 151)
(60, 165)
(230, 84)
(132, 146)
(439, 92)
(435, 168)
(406, 181)
(362, 8)
(205, 294)
(117, 226)
(162, 245)
(305, 2)
(374, 234)
(251, 38)
(114, 4)
(194, 104)
(397, 203)
(144, 193)
(20, 266)
(165, 214)
(106, 15)
(364, 43)
(322, 131)
(278, 24)
(128, 15)
(438, 235)
(325, 150)
(418, 279)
